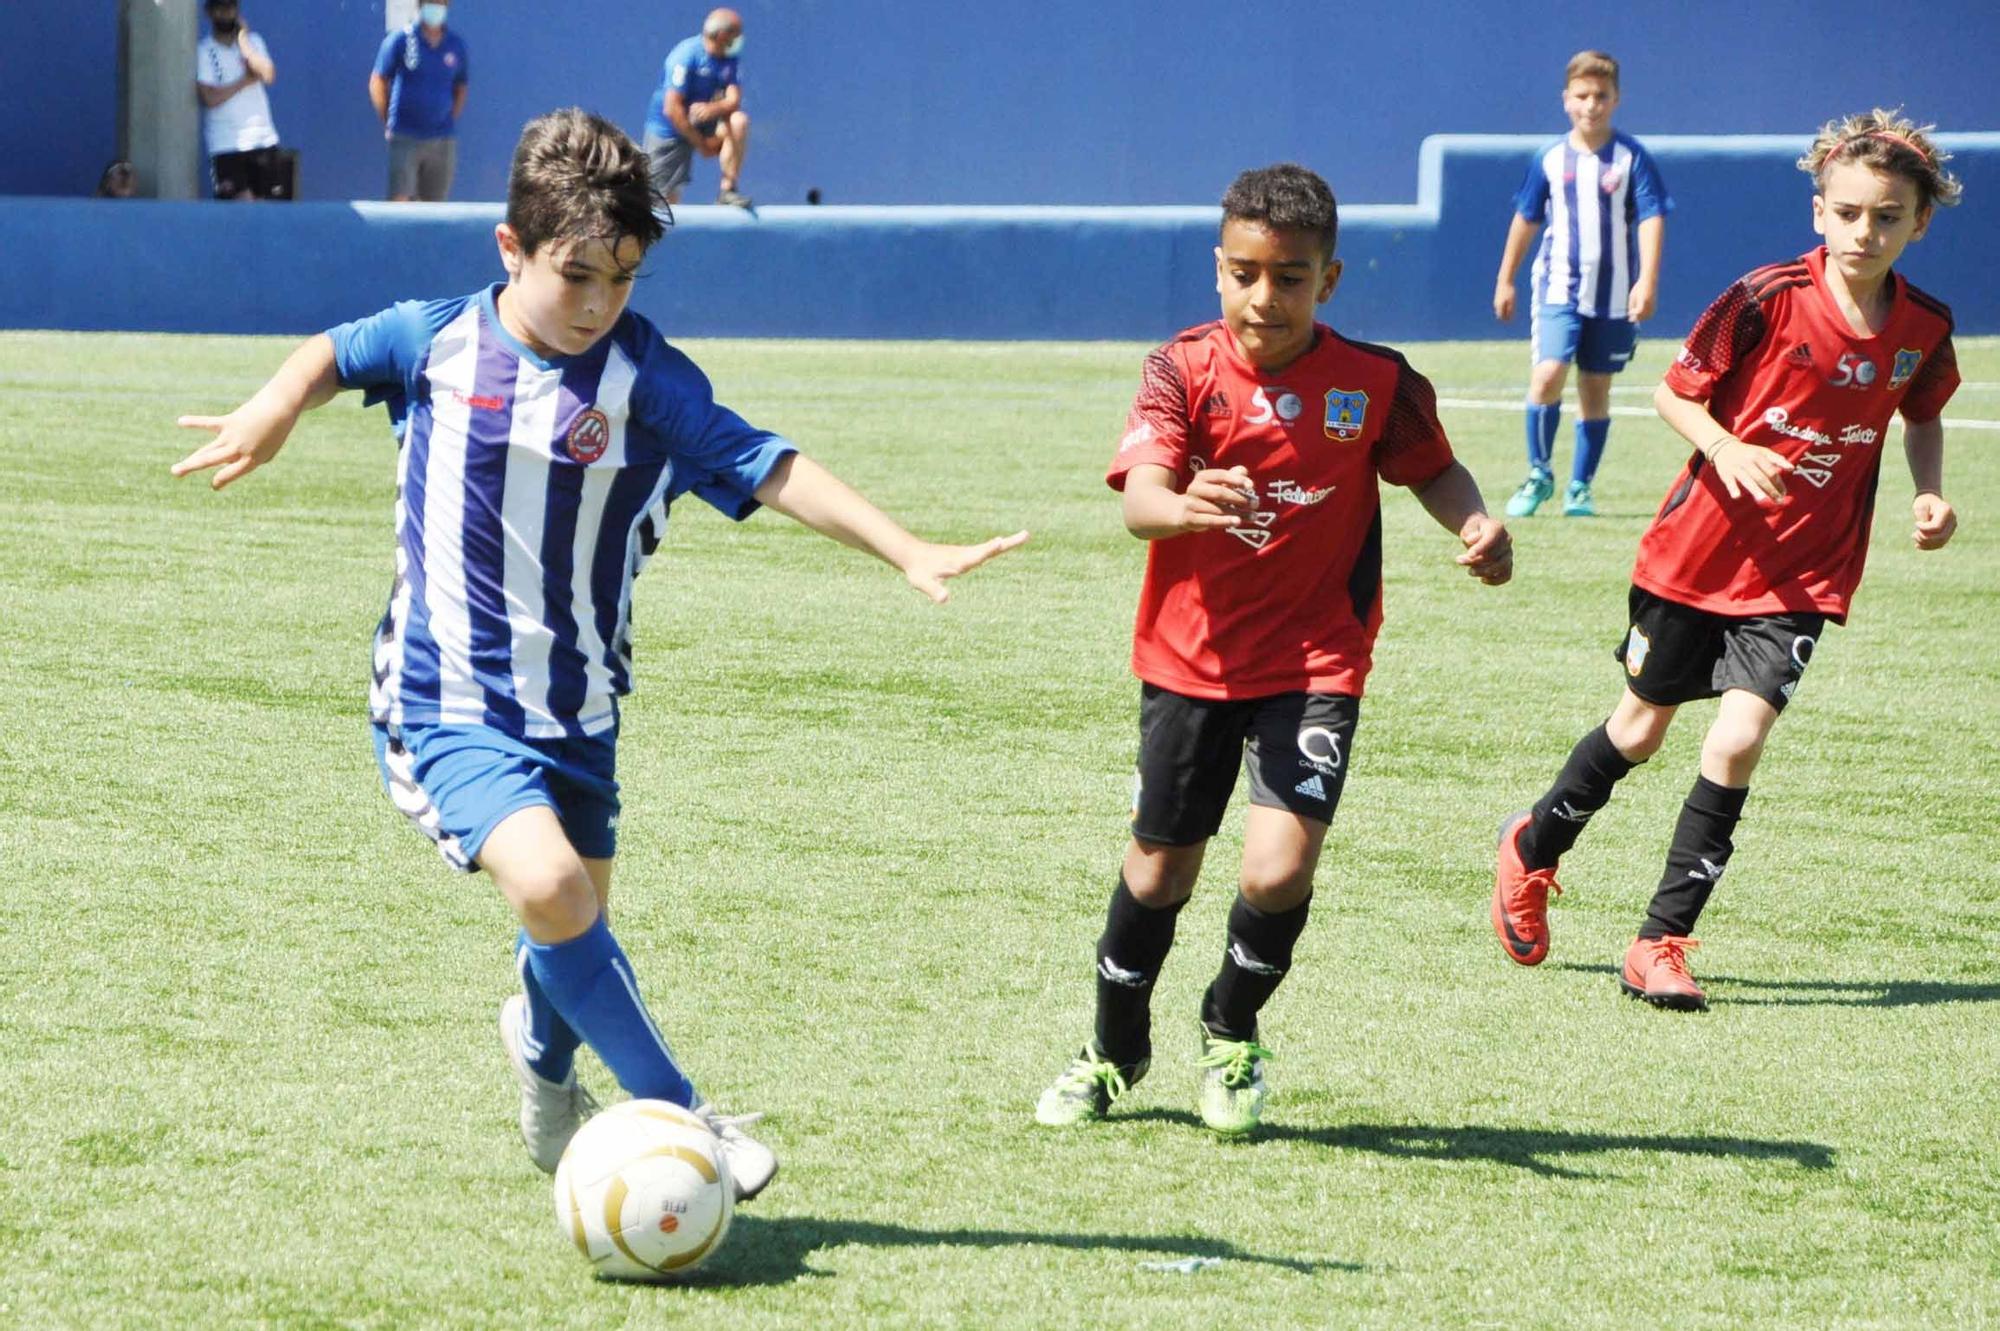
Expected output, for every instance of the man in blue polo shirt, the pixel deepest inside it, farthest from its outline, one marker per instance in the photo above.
(698, 108)
(418, 88)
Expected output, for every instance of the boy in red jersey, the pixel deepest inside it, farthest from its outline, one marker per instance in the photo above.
(1784, 388)
(1249, 462)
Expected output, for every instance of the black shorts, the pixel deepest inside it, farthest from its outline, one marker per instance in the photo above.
(1296, 747)
(261, 173)
(1674, 653)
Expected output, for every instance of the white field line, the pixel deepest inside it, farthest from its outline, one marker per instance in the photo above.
(1514, 404)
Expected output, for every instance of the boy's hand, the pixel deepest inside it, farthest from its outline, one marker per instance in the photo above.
(1935, 520)
(1216, 498)
(1489, 550)
(931, 564)
(1750, 469)
(1640, 304)
(1503, 301)
(244, 440)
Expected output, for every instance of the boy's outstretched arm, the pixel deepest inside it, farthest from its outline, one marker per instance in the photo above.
(809, 494)
(1923, 447)
(1742, 468)
(1452, 497)
(251, 435)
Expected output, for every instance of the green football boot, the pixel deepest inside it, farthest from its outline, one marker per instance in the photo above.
(1087, 1089)
(1232, 1087)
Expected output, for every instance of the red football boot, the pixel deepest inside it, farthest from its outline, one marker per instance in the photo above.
(1521, 899)
(1656, 969)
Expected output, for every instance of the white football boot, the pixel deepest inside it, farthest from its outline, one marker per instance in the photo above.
(551, 1112)
(752, 1164)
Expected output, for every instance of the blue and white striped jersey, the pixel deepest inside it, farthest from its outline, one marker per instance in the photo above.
(529, 494)
(1593, 203)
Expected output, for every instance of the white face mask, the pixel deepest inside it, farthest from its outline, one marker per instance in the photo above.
(432, 15)
(734, 48)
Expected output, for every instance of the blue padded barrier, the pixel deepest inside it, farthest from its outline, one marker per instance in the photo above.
(1412, 272)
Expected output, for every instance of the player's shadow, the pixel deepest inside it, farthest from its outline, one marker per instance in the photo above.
(777, 1250)
(1532, 1149)
(1722, 991)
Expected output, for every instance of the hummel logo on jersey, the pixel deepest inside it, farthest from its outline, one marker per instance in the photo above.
(1117, 974)
(1312, 787)
(1218, 405)
(1245, 961)
(1800, 355)
(1709, 872)
(482, 401)
(1570, 813)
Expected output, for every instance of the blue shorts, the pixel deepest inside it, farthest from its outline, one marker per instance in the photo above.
(457, 782)
(1600, 346)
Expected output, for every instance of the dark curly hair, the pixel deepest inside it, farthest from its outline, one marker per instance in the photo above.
(1284, 197)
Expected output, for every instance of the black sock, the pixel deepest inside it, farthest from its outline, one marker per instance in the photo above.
(1697, 858)
(1582, 788)
(1259, 954)
(1134, 944)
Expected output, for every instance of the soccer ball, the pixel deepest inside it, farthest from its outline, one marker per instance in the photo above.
(644, 1191)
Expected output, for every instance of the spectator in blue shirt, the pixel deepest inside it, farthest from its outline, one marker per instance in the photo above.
(698, 108)
(418, 88)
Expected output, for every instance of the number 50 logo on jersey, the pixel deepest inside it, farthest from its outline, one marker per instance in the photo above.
(1346, 414)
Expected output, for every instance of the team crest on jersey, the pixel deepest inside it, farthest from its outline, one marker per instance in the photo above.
(1610, 179)
(589, 436)
(1346, 414)
(1907, 360)
(1636, 648)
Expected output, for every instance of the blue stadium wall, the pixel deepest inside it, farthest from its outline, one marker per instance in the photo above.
(1110, 102)
(1412, 271)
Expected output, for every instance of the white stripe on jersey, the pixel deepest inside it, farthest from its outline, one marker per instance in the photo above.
(523, 511)
(616, 390)
(385, 692)
(452, 372)
(614, 399)
(1561, 261)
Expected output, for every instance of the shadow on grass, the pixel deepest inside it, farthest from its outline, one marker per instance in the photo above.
(778, 1250)
(1523, 1148)
(1826, 993)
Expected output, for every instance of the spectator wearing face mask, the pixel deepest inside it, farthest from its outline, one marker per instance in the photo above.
(698, 108)
(418, 89)
(231, 70)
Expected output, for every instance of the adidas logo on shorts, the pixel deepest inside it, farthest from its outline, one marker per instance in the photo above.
(1311, 786)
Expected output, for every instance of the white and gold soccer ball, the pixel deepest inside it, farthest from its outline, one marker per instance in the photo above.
(644, 1192)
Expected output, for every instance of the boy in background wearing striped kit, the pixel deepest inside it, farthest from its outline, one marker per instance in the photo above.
(543, 430)
(1596, 276)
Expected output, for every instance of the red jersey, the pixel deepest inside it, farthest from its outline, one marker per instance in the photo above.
(1291, 600)
(1777, 364)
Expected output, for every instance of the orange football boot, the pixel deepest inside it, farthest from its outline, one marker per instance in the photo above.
(1656, 969)
(1521, 899)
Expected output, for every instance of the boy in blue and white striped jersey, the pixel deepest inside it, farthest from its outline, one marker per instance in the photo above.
(1595, 278)
(543, 431)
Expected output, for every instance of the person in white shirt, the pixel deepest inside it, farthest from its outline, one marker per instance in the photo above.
(231, 70)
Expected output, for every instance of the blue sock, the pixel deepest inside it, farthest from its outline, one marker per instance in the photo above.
(1590, 437)
(589, 981)
(1542, 420)
(549, 1042)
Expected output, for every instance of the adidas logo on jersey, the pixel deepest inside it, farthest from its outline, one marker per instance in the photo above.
(1800, 355)
(1312, 787)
